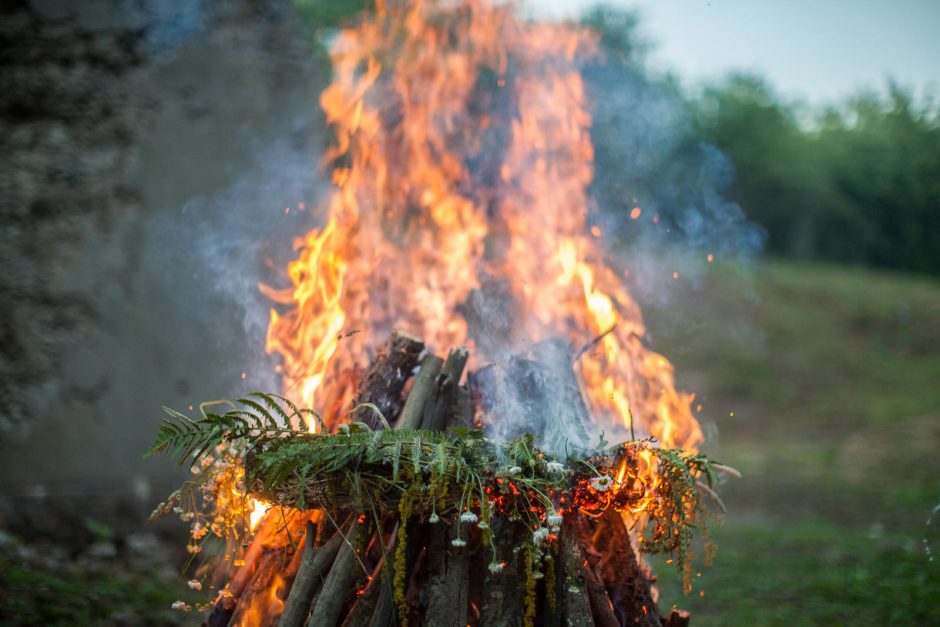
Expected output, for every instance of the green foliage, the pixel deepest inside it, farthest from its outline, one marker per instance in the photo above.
(619, 31)
(856, 183)
(187, 438)
(53, 592)
(424, 473)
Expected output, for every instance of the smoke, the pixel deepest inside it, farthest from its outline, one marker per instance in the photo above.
(212, 254)
(659, 190)
(659, 199)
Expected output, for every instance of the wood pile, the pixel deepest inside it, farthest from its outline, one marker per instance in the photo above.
(338, 575)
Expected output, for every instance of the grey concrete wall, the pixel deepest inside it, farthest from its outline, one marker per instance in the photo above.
(147, 155)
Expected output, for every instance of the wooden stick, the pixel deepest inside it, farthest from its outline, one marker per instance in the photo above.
(442, 407)
(338, 583)
(225, 607)
(313, 567)
(575, 605)
(624, 580)
(413, 412)
(360, 615)
(267, 567)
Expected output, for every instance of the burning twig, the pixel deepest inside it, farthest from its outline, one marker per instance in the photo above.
(594, 342)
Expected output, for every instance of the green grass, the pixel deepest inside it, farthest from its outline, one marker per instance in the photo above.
(833, 379)
(36, 595)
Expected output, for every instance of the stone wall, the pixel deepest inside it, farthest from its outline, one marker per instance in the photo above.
(147, 156)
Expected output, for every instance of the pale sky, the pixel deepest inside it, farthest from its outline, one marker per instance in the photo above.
(818, 50)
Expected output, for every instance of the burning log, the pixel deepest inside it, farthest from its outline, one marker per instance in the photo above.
(385, 379)
(433, 399)
(382, 387)
(625, 582)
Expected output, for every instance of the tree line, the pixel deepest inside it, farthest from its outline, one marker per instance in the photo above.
(856, 183)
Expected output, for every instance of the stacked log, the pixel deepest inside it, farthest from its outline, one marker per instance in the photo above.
(342, 572)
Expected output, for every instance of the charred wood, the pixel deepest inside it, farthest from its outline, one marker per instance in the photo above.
(624, 579)
(385, 379)
(442, 409)
(503, 600)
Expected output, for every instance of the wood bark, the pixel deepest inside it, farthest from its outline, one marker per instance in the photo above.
(385, 379)
(413, 412)
(572, 586)
(338, 583)
(310, 575)
(503, 600)
(624, 579)
(445, 594)
(442, 409)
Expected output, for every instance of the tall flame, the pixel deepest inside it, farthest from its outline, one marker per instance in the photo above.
(462, 150)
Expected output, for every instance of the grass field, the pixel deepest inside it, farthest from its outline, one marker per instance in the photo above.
(822, 386)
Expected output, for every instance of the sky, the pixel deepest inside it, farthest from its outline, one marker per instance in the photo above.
(814, 50)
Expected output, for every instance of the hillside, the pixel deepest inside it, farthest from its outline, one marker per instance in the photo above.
(822, 386)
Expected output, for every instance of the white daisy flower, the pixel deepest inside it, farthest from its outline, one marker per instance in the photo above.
(434, 518)
(539, 535)
(194, 584)
(514, 470)
(555, 467)
(496, 567)
(554, 519)
(468, 517)
(482, 525)
(458, 542)
(601, 483)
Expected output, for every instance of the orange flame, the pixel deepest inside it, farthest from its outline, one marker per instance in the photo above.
(258, 509)
(266, 607)
(462, 147)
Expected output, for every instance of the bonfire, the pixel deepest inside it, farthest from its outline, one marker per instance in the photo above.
(520, 479)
